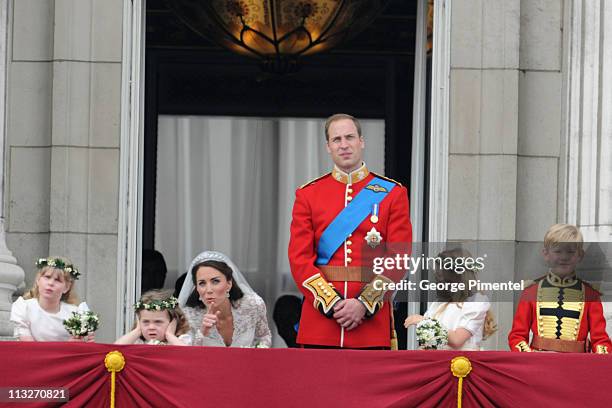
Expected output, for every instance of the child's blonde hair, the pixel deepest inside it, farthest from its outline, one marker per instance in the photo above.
(563, 233)
(70, 296)
(158, 296)
(490, 325)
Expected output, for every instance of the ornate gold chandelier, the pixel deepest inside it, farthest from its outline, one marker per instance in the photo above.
(278, 32)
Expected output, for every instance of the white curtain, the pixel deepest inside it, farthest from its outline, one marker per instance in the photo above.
(228, 184)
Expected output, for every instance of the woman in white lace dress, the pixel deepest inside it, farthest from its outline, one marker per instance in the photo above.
(221, 307)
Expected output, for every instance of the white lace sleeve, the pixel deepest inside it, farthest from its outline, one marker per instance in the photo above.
(263, 337)
(19, 318)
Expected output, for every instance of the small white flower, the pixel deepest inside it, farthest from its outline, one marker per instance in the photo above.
(431, 334)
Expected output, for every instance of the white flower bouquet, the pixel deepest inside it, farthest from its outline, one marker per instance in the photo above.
(431, 335)
(82, 323)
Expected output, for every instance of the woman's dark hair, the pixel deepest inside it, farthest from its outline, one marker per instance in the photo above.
(154, 270)
(179, 284)
(235, 291)
(453, 275)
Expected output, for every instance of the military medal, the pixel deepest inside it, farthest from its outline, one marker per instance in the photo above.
(374, 217)
(373, 238)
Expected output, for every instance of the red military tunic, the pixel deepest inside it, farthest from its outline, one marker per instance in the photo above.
(316, 205)
(561, 314)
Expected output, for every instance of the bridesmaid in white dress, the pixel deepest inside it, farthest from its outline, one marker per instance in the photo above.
(221, 307)
(39, 314)
(464, 314)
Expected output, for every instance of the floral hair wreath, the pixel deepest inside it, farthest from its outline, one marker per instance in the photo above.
(157, 305)
(59, 264)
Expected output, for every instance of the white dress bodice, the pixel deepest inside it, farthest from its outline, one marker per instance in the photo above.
(469, 315)
(250, 324)
(29, 319)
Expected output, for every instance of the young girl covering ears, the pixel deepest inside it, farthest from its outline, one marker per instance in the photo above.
(159, 320)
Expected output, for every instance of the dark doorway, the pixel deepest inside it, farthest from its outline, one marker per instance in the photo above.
(369, 77)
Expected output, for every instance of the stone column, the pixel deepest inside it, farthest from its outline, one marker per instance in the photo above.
(11, 278)
(11, 274)
(540, 137)
(586, 190)
(484, 122)
(85, 130)
(63, 141)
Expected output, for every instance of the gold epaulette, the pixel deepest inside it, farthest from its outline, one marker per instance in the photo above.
(387, 178)
(528, 282)
(590, 285)
(314, 180)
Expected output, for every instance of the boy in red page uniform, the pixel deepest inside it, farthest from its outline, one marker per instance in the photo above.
(561, 310)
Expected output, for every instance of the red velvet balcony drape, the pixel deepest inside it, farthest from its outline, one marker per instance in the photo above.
(166, 376)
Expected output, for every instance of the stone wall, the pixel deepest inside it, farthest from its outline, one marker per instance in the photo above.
(529, 125)
(62, 147)
(505, 129)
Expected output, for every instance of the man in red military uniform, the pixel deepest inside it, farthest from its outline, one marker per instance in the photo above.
(560, 310)
(334, 217)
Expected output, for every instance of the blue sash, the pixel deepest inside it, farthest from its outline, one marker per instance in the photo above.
(350, 217)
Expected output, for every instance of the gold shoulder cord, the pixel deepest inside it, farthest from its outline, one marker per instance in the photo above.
(314, 180)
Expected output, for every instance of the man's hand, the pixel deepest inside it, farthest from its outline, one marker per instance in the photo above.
(349, 313)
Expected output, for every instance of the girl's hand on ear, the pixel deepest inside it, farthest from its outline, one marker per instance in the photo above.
(171, 334)
(138, 329)
(171, 329)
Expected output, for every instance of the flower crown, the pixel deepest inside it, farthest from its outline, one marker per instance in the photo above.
(157, 305)
(59, 264)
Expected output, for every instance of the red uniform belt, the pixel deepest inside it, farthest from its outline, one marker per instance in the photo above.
(562, 346)
(346, 273)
